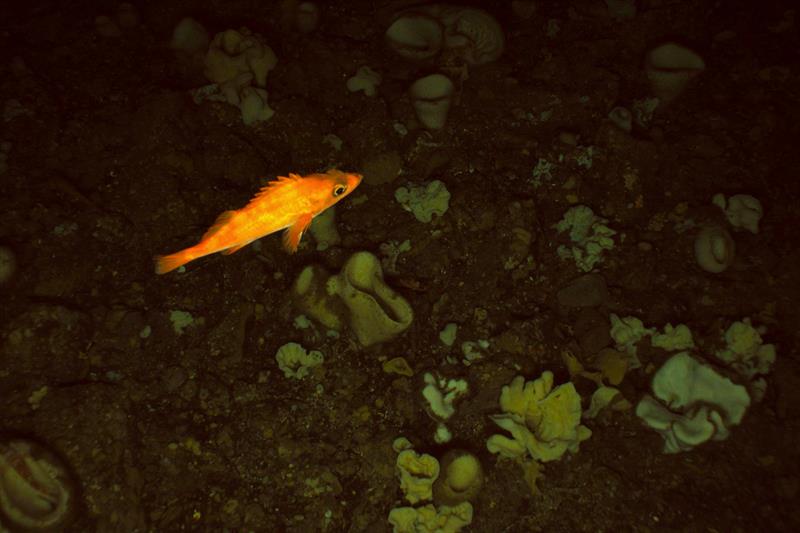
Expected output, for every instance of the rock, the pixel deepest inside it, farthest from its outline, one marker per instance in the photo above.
(174, 377)
(589, 290)
(592, 330)
(595, 339)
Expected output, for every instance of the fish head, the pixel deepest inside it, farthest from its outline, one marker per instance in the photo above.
(339, 184)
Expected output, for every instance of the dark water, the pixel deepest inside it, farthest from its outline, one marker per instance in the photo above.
(157, 402)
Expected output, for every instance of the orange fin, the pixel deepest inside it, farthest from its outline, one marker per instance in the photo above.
(293, 234)
(222, 219)
(234, 249)
(168, 263)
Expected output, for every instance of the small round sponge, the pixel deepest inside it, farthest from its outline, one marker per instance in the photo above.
(462, 479)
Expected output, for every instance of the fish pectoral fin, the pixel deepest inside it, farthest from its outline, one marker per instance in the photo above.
(222, 219)
(293, 234)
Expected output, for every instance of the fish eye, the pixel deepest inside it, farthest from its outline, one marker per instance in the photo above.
(339, 190)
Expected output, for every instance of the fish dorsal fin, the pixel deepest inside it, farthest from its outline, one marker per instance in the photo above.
(276, 184)
(222, 219)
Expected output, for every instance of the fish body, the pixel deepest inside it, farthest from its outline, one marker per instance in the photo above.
(288, 203)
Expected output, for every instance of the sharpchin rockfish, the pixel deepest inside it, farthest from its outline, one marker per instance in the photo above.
(286, 203)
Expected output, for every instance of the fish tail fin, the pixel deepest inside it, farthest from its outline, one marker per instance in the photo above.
(168, 263)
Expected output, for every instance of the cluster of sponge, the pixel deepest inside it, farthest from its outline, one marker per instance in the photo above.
(235, 61)
(238, 62)
(589, 235)
(544, 422)
(358, 296)
(692, 404)
(450, 485)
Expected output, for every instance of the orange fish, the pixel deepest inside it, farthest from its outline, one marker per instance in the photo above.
(286, 203)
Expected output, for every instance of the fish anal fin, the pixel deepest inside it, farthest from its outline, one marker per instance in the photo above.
(234, 249)
(293, 234)
(222, 219)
